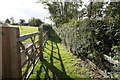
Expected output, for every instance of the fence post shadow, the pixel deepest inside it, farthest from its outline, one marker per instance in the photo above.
(59, 74)
(60, 59)
(56, 73)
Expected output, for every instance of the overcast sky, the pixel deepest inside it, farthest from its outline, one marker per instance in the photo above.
(22, 9)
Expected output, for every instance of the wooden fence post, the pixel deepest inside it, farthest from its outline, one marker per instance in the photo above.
(41, 40)
(11, 59)
(0, 53)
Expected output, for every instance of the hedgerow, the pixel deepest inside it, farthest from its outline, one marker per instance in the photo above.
(90, 39)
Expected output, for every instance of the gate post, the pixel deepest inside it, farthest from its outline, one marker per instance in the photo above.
(0, 53)
(11, 60)
(41, 40)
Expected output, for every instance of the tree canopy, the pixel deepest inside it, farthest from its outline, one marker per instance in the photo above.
(7, 21)
(63, 12)
(34, 22)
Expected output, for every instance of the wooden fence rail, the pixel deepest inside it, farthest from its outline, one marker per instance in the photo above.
(19, 59)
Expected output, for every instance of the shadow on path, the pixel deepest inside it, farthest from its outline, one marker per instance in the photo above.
(48, 66)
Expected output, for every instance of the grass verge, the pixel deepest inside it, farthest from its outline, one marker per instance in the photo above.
(56, 54)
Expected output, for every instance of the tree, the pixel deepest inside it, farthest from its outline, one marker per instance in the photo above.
(34, 22)
(113, 18)
(1, 22)
(7, 21)
(63, 12)
(22, 21)
(113, 13)
(95, 9)
(12, 20)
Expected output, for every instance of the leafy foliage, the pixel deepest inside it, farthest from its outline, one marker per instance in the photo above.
(35, 22)
(22, 21)
(90, 39)
(12, 20)
(63, 12)
(7, 21)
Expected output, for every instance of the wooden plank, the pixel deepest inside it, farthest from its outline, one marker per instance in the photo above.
(18, 57)
(29, 58)
(27, 36)
(32, 69)
(31, 45)
(45, 34)
(6, 57)
(11, 64)
(23, 57)
(24, 53)
(26, 71)
(109, 59)
(0, 53)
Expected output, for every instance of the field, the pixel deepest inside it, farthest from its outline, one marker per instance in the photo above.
(58, 57)
(27, 29)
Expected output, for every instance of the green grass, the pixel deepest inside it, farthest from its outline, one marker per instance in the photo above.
(57, 56)
(27, 29)
(64, 61)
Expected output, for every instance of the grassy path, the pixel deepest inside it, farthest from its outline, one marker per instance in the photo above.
(59, 63)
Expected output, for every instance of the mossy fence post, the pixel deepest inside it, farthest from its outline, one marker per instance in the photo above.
(11, 60)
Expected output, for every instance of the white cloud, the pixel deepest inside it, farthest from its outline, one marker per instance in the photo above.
(22, 9)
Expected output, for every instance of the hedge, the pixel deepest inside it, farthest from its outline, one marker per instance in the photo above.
(90, 38)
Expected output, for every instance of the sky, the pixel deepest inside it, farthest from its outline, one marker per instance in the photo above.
(22, 9)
